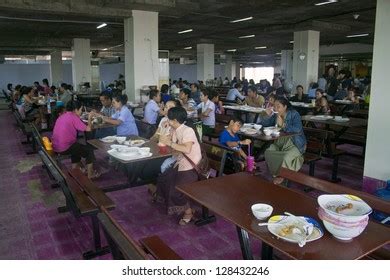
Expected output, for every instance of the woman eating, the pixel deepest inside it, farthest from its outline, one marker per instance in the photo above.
(285, 152)
(186, 150)
(65, 138)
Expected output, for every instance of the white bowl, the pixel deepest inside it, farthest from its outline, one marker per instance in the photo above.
(267, 132)
(337, 118)
(262, 211)
(257, 126)
(275, 133)
(144, 151)
(344, 233)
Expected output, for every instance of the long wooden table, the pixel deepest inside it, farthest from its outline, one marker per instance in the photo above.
(231, 197)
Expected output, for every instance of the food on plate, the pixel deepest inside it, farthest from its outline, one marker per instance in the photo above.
(344, 207)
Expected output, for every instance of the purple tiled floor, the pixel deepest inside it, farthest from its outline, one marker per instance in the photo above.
(31, 228)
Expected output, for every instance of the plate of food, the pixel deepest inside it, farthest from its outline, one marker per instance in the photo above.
(294, 229)
(341, 119)
(321, 117)
(137, 142)
(108, 139)
(248, 130)
(344, 205)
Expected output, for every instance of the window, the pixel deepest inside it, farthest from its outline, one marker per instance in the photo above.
(258, 73)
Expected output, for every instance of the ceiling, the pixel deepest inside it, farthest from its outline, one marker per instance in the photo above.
(39, 26)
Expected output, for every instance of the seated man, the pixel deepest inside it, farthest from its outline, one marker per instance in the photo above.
(107, 110)
(234, 93)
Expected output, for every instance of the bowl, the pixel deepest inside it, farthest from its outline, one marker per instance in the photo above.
(267, 132)
(337, 118)
(120, 139)
(144, 151)
(275, 133)
(261, 211)
(257, 126)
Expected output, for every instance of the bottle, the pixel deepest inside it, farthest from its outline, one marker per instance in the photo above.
(48, 106)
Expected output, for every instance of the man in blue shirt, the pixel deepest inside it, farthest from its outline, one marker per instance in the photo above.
(234, 93)
(152, 108)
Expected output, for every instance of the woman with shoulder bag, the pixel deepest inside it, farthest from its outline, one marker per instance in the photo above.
(187, 152)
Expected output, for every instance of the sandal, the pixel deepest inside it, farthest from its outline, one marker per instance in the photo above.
(187, 218)
(278, 181)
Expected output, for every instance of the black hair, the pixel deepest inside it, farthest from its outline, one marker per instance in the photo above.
(53, 88)
(122, 98)
(153, 93)
(235, 119)
(18, 87)
(177, 113)
(314, 85)
(64, 85)
(106, 94)
(237, 85)
(26, 90)
(252, 88)
(36, 82)
(284, 101)
(9, 86)
(299, 86)
(195, 85)
(73, 105)
(45, 81)
(209, 92)
(320, 90)
(272, 96)
(164, 88)
(177, 102)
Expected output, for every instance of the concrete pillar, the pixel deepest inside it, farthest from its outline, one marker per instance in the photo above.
(95, 76)
(236, 73)
(377, 159)
(56, 72)
(306, 57)
(286, 65)
(205, 62)
(141, 53)
(229, 67)
(81, 62)
(242, 73)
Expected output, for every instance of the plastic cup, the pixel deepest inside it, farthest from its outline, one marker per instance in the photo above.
(313, 102)
(250, 163)
(163, 149)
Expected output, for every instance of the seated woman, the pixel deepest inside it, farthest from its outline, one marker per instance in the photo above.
(208, 111)
(286, 151)
(153, 107)
(164, 127)
(29, 105)
(165, 96)
(229, 138)
(186, 149)
(299, 96)
(218, 103)
(65, 137)
(322, 107)
(122, 117)
(353, 97)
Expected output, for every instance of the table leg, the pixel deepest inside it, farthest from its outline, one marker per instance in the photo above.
(206, 218)
(267, 251)
(243, 237)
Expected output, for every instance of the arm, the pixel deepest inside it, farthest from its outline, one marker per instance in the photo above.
(111, 120)
(184, 148)
(207, 112)
(293, 123)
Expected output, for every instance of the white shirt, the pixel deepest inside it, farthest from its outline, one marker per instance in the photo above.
(233, 94)
(151, 112)
(210, 120)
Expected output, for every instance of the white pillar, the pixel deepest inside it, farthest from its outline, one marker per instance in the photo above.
(229, 67)
(236, 73)
(306, 57)
(56, 72)
(205, 62)
(286, 65)
(81, 62)
(141, 53)
(376, 165)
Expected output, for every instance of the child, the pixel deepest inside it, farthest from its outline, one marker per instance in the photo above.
(229, 138)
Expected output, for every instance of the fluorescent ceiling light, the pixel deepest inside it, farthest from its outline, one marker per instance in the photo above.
(258, 48)
(358, 35)
(279, 53)
(241, 19)
(291, 42)
(232, 50)
(258, 62)
(247, 36)
(185, 31)
(12, 58)
(188, 48)
(101, 25)
(105, 49)
(326, 2)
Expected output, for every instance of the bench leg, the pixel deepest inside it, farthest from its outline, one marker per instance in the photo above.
(335, 170)
(62, 209)
(206, 218)
(243, 237)
(312, 167)
(267, 251)
(99, 250)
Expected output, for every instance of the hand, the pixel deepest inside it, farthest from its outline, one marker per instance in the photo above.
(280, 121)
(246, 142)
(91, 115)
(269, 111)
(166, 140)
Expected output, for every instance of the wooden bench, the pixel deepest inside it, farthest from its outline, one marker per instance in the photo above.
(24, 126)
(123, 247)
(81, 200)
(329, 187)
(315, 145)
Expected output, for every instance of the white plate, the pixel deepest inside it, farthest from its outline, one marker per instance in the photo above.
(278, 222)
(123, 149)
(108, 139)
(127, 157)
(321, 117)
(341, 120)
(344, 101)
(249, 131)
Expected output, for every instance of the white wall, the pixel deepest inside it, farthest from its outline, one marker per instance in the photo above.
(27, 74)
(110, 72)
(377, 159)
(188, 72)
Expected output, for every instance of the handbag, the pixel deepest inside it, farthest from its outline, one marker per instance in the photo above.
(202, 168)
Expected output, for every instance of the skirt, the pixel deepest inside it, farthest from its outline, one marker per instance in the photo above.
(283, 153)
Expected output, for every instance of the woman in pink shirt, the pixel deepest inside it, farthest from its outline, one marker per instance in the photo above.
(184, 143)
(65, 137)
